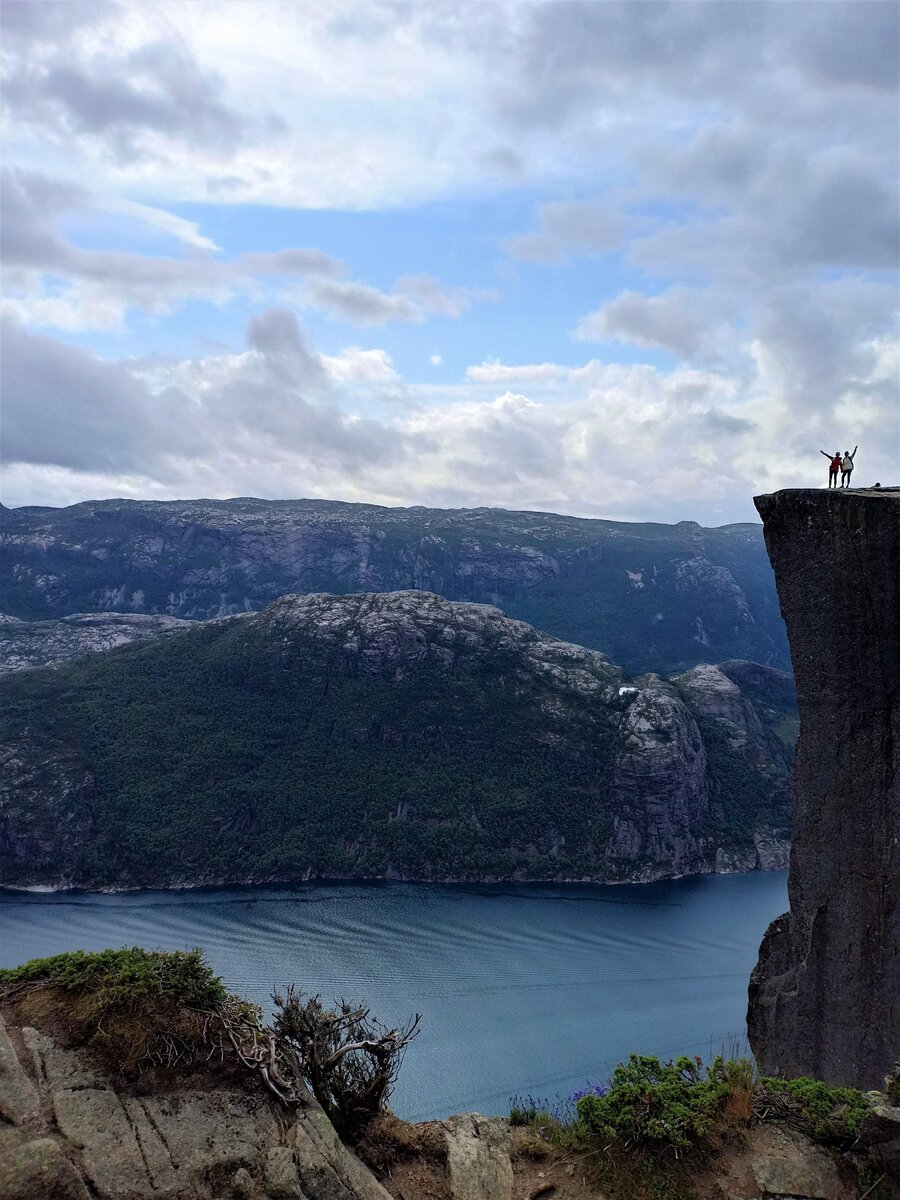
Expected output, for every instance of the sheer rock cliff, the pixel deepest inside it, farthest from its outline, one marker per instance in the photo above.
(825, 994)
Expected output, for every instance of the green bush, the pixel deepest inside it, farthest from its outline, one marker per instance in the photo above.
(122, 980)
(829, 1114)
(659, 1104)
(136, 1008)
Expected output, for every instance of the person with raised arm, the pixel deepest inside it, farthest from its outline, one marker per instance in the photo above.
(834, 465)
(847, 466)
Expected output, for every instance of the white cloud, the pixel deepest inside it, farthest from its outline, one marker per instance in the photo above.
(688, 322)
(494, 371)
(56, 284)
(734, 167)
(280, 419)
(435, 359)
(354, 365)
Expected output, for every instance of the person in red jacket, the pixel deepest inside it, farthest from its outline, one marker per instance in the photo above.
(834, 466)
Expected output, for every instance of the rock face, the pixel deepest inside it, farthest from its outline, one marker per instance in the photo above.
(383, 735)
(25, 644)
(825, 995)
(653, 597)
(70, 1132)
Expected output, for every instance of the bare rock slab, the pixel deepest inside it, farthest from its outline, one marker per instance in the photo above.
(478, 1158)
(785, 1163)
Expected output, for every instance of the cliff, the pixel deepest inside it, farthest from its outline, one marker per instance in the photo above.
(652, 596)
(393, 735)
(825, 995)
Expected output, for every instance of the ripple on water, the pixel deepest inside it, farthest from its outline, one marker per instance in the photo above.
(533, 989)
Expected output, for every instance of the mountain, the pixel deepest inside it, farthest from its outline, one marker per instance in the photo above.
(653, 597)
(25, 644)
(825, 994)
(384, 735)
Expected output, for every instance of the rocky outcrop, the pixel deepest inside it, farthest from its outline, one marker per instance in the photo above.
(380, 735)
(478, 1157)
(70, 1132)
(653, 597)
(25, 644)
(825, 995)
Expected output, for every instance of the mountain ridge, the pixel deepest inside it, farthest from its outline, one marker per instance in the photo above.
(653, 596)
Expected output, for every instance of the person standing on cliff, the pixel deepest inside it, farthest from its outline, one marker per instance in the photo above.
(847, 466)
(834, 465)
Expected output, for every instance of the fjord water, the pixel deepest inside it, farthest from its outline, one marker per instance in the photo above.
(522, 989)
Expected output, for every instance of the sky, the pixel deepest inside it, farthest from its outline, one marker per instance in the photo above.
(628, 260)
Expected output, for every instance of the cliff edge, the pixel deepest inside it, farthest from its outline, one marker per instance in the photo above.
(825, 994)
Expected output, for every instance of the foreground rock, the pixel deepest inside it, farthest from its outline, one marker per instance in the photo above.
(393, 735)
(825, 995)
(69, 1132)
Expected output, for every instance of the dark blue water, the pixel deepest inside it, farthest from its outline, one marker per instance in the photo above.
(522, 989)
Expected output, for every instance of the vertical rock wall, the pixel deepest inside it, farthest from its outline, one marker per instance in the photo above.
(825, 994)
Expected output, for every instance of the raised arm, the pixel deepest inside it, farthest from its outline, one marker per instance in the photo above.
(827, 455)
(853, 455)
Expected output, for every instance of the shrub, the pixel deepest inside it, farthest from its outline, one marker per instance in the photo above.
(829, 1114)
(555, 1121)
(348, 1059)
(666, 1105)
(138, 1008)
(123, 980)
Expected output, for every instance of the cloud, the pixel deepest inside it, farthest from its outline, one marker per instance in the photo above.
(434, 297)
(564, 227)
(279, 418)
(415, 298)
(269, 407)
(494, 371)
(158, 89)
(716, 181)
(355, 365)
(60, 285)
(53, 19)
(686, 322)
(64, 407)
(186, 232)
(362, 304)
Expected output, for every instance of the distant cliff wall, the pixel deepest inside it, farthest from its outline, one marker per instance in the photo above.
(825, 995)
(654, 597)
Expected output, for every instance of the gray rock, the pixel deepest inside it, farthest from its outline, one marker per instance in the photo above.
(478, 1157)
(880, 1133)
(785, 1163)
(824, 994)
(38, 1170)
(281, 1176)
(180, 1143)
(27, 644)
(18, 1097)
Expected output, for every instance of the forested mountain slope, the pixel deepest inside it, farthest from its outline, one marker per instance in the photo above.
(653, 597)
(384, 735)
